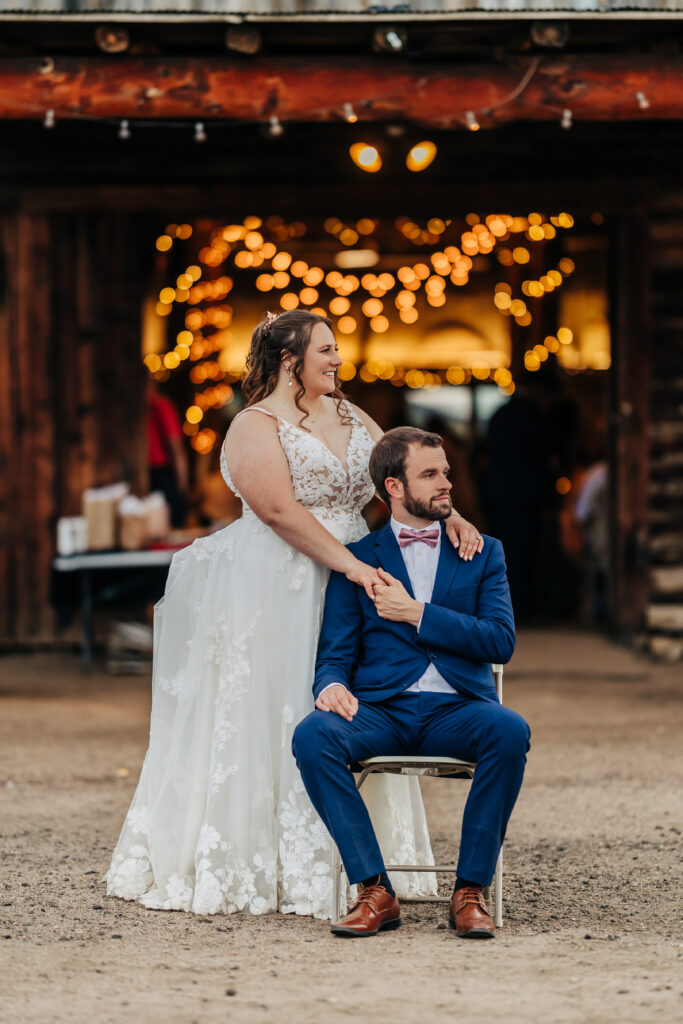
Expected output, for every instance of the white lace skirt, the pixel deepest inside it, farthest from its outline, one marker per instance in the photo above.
(220, 821)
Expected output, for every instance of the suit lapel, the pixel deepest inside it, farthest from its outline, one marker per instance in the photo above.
(390, 557)
(449, 562)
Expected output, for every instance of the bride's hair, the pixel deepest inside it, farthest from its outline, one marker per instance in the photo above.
(288, 332)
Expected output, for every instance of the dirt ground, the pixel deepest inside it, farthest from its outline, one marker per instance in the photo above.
(592, 878)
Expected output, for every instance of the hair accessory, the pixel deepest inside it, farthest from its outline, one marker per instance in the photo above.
(270, 320)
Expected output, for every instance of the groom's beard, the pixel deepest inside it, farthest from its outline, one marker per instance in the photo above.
(431, 509)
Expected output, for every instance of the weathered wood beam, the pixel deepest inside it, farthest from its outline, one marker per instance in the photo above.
(226, 201)
(593, 87)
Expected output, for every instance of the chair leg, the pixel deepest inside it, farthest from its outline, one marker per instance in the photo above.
(498, 892)
(337, 909)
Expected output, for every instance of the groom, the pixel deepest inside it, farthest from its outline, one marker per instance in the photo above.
(410, 674)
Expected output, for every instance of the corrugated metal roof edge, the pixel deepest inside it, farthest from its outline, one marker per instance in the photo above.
(523, 14)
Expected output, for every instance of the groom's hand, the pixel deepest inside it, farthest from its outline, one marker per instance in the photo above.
(393, 601)
(338, 699)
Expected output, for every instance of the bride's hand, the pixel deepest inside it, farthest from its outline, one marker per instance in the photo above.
(365, 576)
(464, 536)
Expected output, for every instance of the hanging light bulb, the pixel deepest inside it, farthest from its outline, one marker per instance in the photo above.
(112, 38)
(643, 101)
(199, 133)
(365, 156)
(350, 114)
(49, 119)
(275, 129)
(124, 130)
(566, 121)
(471, 121)
(421, 155)
(389, 40)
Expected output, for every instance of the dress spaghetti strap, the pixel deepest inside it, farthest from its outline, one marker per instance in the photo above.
(256, 408)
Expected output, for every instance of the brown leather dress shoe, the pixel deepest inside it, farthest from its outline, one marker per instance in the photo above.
(469, 916)
(375, 910)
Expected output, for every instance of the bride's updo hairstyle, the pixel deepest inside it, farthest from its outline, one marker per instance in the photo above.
(288, 332)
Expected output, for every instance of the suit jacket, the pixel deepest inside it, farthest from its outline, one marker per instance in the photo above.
(467, 625)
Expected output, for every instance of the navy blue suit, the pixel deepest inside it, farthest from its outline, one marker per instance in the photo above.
(467, 625)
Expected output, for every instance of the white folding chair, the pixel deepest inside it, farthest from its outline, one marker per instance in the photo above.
(438, 767)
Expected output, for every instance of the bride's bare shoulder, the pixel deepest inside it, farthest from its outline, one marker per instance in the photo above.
(253, 424)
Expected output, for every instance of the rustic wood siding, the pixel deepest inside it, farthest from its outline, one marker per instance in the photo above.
(71, 389)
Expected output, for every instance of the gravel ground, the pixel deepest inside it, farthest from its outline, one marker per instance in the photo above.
(592, 876)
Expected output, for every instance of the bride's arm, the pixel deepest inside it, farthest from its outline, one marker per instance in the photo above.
(260, 471)
(461, 533)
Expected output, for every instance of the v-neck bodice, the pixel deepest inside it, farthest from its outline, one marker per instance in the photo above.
(320, 480)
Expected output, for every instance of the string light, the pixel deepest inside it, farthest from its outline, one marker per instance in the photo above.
(199, 133)
(207, 329)
(124, 130)
(643, 101)
(49, 119)
(471, 121)
(391, 39)
(421, 155)
(366, 157)
(350, 114)
(566, 120)
(275, 129)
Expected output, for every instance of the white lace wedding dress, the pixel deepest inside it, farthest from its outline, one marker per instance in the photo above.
(220, 821)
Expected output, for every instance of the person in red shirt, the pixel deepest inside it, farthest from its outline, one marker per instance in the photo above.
(168, 468)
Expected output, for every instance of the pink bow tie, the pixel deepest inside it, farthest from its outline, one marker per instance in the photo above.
(406, 537)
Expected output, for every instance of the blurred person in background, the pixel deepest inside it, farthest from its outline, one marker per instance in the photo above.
(168, 466)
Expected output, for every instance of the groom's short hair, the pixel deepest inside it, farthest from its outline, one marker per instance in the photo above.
(389, 455)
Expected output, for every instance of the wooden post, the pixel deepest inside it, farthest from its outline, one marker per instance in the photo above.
(628, 424)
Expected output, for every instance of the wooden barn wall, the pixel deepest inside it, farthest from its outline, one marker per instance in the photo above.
(72, 403)
(71, 390)
(664, 610)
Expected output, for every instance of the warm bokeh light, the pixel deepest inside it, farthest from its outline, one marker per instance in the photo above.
(194, 414)
(153, 363)
(314, 276)
(372, 307)
(339, 305)
(347, 371)
(421, 155)
(281, 261)
(366, 157)
(456, 375)
(347, 324)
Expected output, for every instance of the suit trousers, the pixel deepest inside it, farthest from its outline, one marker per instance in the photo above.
(424, 723)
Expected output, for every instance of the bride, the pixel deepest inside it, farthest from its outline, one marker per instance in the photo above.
(220, 821)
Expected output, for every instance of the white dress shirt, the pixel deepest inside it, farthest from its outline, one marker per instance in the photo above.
(421, 562)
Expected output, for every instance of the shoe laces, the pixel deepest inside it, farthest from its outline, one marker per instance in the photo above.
(368, 894)
(471, 895)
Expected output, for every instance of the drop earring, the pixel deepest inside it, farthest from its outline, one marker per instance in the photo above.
(289, 376)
